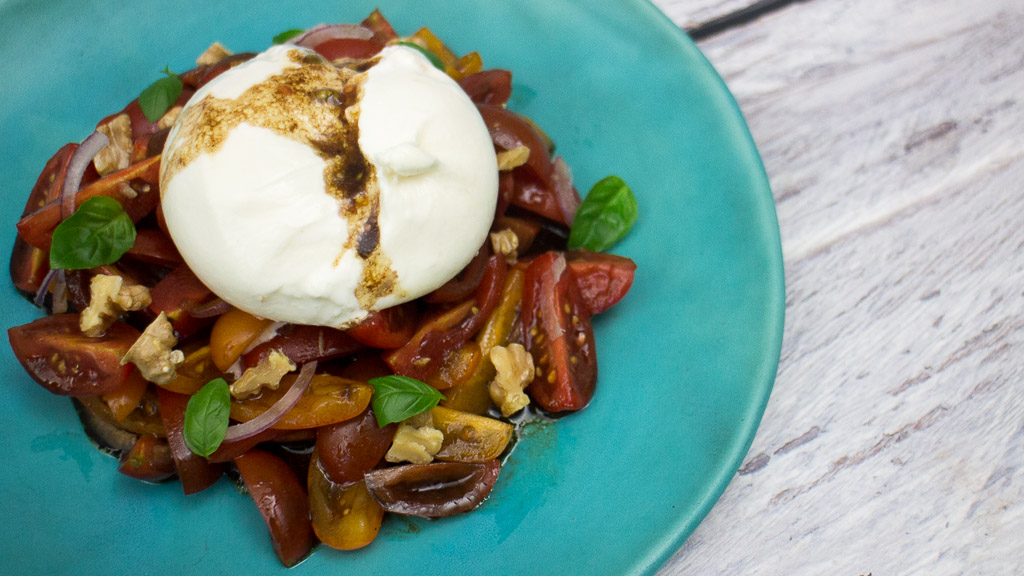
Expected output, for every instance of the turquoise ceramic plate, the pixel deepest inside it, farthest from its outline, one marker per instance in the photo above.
(687, 360)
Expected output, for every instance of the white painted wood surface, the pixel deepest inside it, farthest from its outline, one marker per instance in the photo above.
(893, 136)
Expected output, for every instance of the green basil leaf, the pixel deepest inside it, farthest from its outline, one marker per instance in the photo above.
(206, 417)
(98, 233)
(604, 217)
(430, 55)
(156, 100)
(287, 35)
(396, 398)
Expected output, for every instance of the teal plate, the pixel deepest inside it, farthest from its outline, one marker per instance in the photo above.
(687, 360)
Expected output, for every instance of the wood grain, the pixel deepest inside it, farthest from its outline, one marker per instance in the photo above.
(893, 135)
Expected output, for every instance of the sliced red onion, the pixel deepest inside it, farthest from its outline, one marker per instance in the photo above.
(277, 411)
(60, 292)
(568, 197)
(77, 166)
(44, 288)
(322, 33)
(215, 307)
(551, 277)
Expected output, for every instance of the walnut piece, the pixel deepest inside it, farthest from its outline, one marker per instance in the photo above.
(505, 242)
(116, 155)
(515, 372)
(513, 158)
(267, 373)
(153, 353)
(169, 118)
(215, 53)
(416, 441)
(109, 299)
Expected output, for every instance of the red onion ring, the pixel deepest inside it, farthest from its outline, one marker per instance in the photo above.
(215, 307)
(322, 33)
(277, 411)
(44, 288)
(568, 197)
(77, 166)
(60, 293)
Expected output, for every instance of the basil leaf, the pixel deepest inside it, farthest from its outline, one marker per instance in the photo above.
(206, 417)
(287, 35)
(98, 233)
(160, 96)
(604, 217)
(396, 398)
(430, 55)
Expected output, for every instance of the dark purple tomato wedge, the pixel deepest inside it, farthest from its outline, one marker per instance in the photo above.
(433, 490)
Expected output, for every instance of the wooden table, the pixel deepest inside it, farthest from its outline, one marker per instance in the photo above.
(893, 136)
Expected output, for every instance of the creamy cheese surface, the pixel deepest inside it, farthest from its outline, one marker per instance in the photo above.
(311, 194)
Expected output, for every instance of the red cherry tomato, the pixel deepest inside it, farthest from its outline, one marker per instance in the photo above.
(196, 473)
(557, 331)
(509, 130)
(488, 87)
(177, 294)
(381, 28)
(464, 283)
(61, 359)
(388, 328)
(350, 449)
(282, 501)
(602, 279)
(155, 247)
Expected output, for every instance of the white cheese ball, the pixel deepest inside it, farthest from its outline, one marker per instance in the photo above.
(261, 214)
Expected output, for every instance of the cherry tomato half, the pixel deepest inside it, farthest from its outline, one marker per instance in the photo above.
(196, 473)
(603, 279)
(282, 501)
(557, 331)
(350, 449)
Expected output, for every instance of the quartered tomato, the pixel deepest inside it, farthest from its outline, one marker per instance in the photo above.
(305, 344)
(557, 331)
(231, 335)
(488, 87)
(282, 501)
(178, 293)
(358, 48)
(328, 400)
(61, 359)
(381, 28)
(433, 490)
(602, 279)
(155, 247)
(350, 449)
(149, 459)
(464, 283)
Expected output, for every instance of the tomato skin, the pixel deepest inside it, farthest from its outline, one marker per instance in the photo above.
(492, 87)
(196, 473)
(557, 331)
(350, 449)
(388, 328)
(303, 344)
(602, 279)
(381, 28)
(66, 362)
(509, 130)
(532, 193)
(282, 502)
(149, 459)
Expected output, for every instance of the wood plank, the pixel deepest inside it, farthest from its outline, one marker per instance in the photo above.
(893, 134)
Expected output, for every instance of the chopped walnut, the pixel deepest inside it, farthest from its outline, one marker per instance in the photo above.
(267, 373)
(215, 53)
(116, 155)
(416, 441)
(515, 371)
(109, 299)
(153, 353)
(513, 158)
(505, 242)
(169, 118)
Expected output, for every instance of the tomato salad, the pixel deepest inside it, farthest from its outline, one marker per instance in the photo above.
(408, 412)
